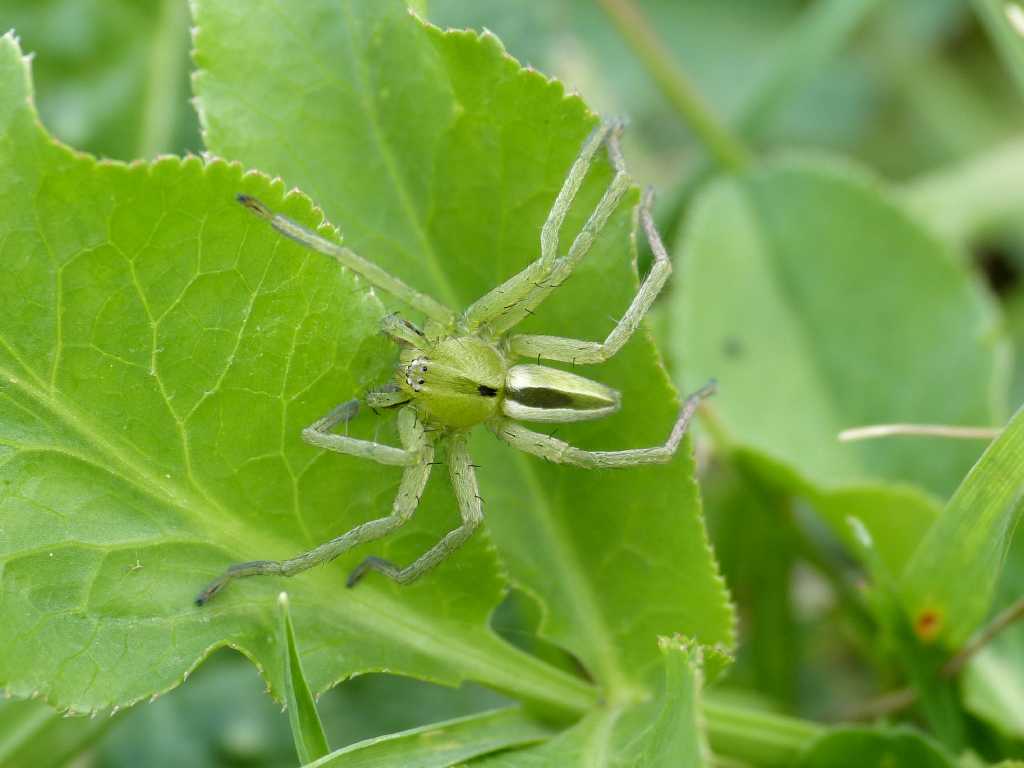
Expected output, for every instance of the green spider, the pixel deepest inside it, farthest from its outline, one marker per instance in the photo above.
(459, 372)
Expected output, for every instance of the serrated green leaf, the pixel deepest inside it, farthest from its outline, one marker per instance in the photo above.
(441, 744)
(307, 731)
(800, 289)
(160, 352)
(950, 582)
(438, 157)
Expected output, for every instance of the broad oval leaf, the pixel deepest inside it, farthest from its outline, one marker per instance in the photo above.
(800, 288)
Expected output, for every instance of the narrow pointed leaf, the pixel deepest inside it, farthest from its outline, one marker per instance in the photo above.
(307, 730)
(950, 582)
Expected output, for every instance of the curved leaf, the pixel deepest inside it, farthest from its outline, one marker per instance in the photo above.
(800, 289)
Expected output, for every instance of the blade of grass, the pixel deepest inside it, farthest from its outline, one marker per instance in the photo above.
(950, 581)
(307, 730)
(727, 150)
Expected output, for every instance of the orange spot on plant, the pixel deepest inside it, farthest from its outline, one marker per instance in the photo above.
(928, 624)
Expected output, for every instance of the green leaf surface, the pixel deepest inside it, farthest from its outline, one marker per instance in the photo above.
(799, 288)
(972, 199)
(112, 74)
(33, 733)
(665, 731)
(222, 717)
(992, 683)
(441, 744)
(160, 352)
(307, 730)
(875, 748)
(438, 157)
(949, 584)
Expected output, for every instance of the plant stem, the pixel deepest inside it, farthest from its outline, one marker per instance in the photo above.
(812, 40)
(763, 739)
(727, 150)
(164, 80)
(817, 35)
(918, 430)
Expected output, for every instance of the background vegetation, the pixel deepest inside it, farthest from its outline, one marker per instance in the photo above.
(841, 190)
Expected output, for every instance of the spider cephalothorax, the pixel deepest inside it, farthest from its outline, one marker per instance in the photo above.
(461, 370)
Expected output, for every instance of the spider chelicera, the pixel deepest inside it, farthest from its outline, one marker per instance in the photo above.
(459, 371)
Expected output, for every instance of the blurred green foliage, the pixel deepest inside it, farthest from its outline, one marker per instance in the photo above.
(917, 89)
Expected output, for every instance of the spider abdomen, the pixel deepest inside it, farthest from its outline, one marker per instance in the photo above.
(539, 393)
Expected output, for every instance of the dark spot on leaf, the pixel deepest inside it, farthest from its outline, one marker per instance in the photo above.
(732, 347)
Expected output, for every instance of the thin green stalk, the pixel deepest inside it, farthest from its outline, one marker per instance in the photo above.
(814, 39)
(819, 33)
(727, 150)
(763, 739)
(164, 80)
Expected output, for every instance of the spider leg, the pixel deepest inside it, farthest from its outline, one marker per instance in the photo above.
(318, 433)
(414, 480)
(559, 451)
(509, 303)
(468, 496)
(375, 275)
(579, 351)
